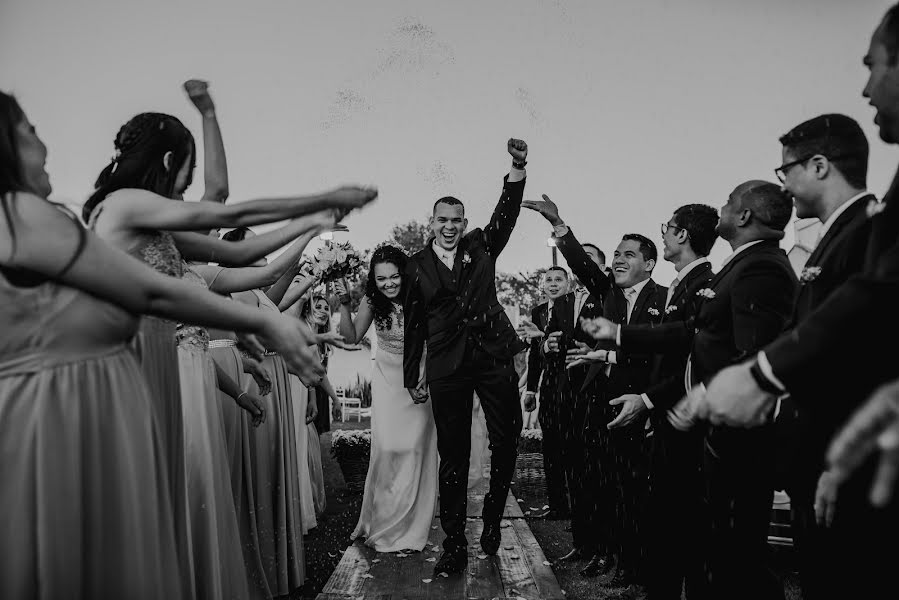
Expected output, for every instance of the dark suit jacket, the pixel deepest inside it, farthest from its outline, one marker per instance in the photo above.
(450, 309)
(672, 339)
(580, 263)
(539, 315)
(837, 339)
(839, 255)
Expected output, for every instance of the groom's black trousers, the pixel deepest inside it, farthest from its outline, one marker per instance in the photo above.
(496, 383)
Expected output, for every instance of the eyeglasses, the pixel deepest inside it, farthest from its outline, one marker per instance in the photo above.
(782, 170)
(667, 226)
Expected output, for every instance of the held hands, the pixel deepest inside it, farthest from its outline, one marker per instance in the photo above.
(545, 207)
(253, 405)
(600, 328)
(518, 149)
(873, 428)
(198, 92)
(530, 401)
(632, 406)
(419, 394)
(259, 374)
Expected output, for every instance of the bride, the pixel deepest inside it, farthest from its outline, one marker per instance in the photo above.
(401, 486)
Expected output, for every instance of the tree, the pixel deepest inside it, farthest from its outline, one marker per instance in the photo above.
(411, 236)
(522, 289)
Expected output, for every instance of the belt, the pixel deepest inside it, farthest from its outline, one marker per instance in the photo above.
(222, 343)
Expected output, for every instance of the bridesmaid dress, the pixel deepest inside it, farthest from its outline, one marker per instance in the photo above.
(85, 502)
(279, 516)
(304, 439)
(212, 518)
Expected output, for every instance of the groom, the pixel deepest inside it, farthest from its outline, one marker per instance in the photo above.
(451, 304)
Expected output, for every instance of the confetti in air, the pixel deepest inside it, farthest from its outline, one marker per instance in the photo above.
(347, 104)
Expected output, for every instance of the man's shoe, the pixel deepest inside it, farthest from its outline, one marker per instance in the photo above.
(451, 562)
(596, 566)
(490, 538)
(575, 554)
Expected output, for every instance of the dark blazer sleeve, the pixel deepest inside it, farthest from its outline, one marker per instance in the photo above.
(672, 336)
(505, 215)
(415, 329)
(762, 300)
(596, 282)
(666, 393)
(535, 357)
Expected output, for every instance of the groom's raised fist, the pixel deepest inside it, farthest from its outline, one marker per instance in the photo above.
(518, 149)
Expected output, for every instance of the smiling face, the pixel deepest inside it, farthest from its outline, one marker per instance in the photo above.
(388, 279)
(629, 267)
(555, 284)
(321, 313)
(33, 158)
(448, 223)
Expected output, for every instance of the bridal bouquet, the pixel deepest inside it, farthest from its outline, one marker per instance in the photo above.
(336, 261)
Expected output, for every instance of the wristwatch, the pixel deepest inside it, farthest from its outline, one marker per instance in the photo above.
(763, 382)
(519, 164)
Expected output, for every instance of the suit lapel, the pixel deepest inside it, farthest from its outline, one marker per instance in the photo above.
(842, 221)
(644, 295)
(719, 277)
(684, 284)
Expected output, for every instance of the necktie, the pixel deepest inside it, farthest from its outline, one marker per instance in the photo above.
(671, 289)
(447, 259)
(629, 296)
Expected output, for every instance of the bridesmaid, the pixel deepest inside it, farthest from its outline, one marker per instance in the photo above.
(86, 510)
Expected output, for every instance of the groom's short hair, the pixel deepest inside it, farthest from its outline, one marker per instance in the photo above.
(449, 200)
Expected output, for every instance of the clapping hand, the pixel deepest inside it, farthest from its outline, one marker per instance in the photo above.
(527, 330)
(518, 149)
(252, 404)
(873, 428)
(198, 92)
(259, 374)
(600, 328)
(545, 207)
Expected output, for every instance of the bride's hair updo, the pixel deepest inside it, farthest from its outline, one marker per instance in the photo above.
(381, 305)
(11, 178)
(140, 147)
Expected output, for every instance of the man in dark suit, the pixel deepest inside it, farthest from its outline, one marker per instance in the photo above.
(675, 510)
(825, 170)
(835, 341)
(620, 456)
(451, 305)
(545, 372)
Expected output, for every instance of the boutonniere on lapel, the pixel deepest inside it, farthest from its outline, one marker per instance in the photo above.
(590, 305)
(466, 258)
(706, 293)
(874, 207)
(670, 309)
(653, 311)
(809, 274)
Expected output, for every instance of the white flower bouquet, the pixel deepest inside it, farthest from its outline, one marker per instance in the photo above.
(336, 261)
(531, 440)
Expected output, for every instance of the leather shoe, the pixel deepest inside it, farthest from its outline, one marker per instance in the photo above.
(575, 554)
(451, 562)
(490, 538)
(596, 566)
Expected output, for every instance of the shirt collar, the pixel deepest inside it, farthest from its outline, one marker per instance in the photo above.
(840, 210)
(637, 287)
(740, 249)
(443, 252)
(683, 272)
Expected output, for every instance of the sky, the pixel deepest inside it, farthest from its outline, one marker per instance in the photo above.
(630, 109)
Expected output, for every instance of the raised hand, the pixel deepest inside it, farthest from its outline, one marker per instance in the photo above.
(873, 428)
(600, 328)
(348, 197)
(198, 92)
(259, 373)
(253, 405)
(545, 207)
(518, 149)
(340, 288)
(632, 406)
(526, 329)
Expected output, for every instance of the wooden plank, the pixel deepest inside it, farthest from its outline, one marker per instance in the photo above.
(482, 576)
(476, 502)
(544, 578)
(515, 573)
(347, 576)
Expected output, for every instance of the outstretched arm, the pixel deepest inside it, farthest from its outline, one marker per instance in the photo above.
(215, 167)
(505, 215)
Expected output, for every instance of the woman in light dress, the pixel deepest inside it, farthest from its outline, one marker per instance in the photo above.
(87, 511)
(401, 486)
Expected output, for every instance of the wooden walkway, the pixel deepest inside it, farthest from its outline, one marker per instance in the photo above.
(518, 571)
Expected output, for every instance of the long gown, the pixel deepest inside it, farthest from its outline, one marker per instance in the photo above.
(300, 395)
(273, 446)
(85, 498)
(400, 495)
(212, 517)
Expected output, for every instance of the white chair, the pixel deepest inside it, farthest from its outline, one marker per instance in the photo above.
(339, 392)
(350, 407)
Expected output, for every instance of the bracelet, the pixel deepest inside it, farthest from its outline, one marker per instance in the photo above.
(765, 384)
(519, 165)
(239, 396)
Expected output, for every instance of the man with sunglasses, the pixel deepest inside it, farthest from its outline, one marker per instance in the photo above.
(825, 170)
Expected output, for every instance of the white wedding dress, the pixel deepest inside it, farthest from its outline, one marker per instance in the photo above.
(400, 495)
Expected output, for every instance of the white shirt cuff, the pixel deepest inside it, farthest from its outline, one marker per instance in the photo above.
(546, 346)
(612, 357)
(516, 175)
(560, 230)
(768, 372)
(618, 338)
(646, 401)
